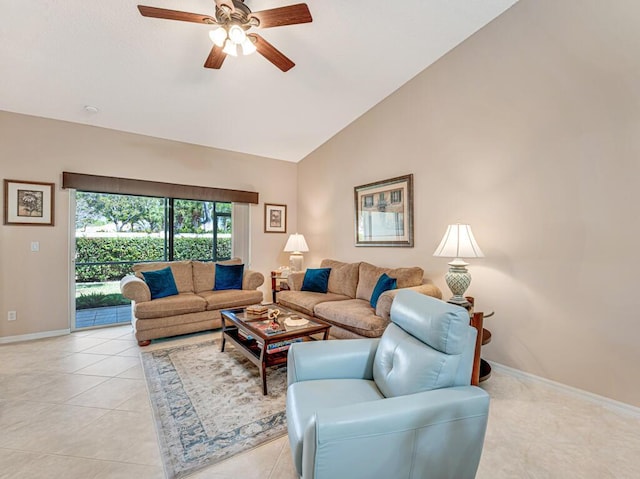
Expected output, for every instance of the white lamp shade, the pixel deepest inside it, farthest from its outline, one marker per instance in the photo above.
(230, 48)
(296, 243)
(236, 34)
(248, 47)
(458, 242)
(218, 36)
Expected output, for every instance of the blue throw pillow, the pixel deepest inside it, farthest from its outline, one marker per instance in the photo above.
(316, 280)
(160, 282)
(228, 276)
(385, 283)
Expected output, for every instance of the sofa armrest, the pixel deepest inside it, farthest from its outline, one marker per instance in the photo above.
(331, 359)
(355, 440)
(295, 280)
(135, 289)
(383, 308)
(252, 279)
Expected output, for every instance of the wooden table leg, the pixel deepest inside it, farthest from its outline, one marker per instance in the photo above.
(223, 338)
(476, 322)
(263, 371)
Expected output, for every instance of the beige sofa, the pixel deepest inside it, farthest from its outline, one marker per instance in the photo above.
(196, 307)
(346, 305)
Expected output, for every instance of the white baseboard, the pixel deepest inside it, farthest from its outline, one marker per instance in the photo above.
(607, 403)
(29, 337)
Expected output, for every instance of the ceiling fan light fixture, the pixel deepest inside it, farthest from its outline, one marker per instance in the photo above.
(236, 34)
(230, 48)
(248, 47)
(218, 36)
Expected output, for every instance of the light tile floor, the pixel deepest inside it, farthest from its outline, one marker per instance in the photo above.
(77, 407)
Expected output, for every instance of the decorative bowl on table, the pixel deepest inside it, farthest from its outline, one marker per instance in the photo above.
(294, 321)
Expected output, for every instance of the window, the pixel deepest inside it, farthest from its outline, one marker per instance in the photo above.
(368, 201)
(396, 196)
(201, 230)
(122, 221)
(112, 232)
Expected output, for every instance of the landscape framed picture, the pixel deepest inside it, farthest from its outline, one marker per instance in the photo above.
(28, 203)
(275, 218)
(384, 212)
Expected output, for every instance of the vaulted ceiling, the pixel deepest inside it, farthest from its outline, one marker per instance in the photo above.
(146, 75)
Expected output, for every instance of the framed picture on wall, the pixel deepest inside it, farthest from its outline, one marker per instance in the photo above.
(384, 212)
(275, 218)
(28, 203)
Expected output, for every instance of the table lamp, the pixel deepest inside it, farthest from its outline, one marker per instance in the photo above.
(296, 245)
(458, 242)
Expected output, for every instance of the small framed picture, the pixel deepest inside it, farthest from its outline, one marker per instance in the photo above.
(275, 218)
(28, 203)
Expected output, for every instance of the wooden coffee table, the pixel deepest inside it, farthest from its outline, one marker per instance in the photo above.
(263, 341)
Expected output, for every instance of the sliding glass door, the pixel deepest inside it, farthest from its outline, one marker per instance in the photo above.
(112, 232)
(201, 230)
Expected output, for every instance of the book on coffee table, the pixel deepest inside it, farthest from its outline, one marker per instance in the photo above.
(257, 309)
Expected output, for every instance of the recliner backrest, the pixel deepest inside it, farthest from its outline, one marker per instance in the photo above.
(428, 345)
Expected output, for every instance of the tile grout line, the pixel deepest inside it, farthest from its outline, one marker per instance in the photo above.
(107, 461)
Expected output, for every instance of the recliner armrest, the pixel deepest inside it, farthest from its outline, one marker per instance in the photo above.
(331, 359)
(356, 440)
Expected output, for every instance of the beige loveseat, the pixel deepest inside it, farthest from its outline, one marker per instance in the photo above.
(346, 304)
(196, 307)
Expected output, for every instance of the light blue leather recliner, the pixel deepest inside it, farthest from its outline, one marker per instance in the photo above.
(397, 407)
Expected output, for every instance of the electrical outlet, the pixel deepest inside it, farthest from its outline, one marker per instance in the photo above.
(12, 316)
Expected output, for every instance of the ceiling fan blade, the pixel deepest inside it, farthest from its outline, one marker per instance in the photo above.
(278, 17)
(175, 15)
(271, 53)
(216, 58)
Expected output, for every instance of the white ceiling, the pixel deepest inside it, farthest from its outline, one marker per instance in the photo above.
(146, 76)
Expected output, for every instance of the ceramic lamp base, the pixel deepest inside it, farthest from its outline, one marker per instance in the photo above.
(295, 262)
(458, 279)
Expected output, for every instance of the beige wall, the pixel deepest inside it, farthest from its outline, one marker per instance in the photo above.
(530, 132)
(36, 284)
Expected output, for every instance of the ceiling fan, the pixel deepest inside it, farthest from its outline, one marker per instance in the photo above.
(232, 19)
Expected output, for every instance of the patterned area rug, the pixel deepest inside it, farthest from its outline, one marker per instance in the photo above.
(209, 405)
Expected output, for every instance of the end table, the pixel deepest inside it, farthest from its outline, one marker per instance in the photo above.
(481, 368)
(278, 283)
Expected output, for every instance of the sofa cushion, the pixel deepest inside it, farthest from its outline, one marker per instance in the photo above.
(316, 280)
(355, 315)
(305, 301)
(228, 276)
(204, 273)
(230, 298)
(385, 283)
(174, 325)
(161, 283)
(343, 278)
(182, 273)
(171, 305)
(369, 274)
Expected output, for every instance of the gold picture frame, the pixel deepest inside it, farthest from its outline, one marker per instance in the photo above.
(29, 203)
(275, 218)
(384, 213)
